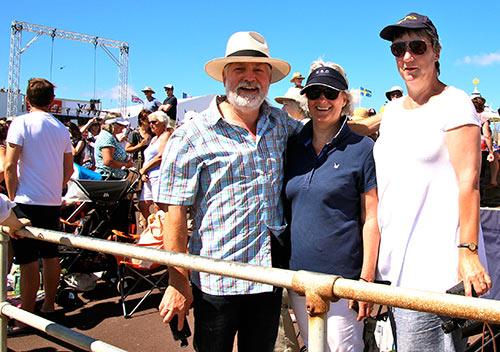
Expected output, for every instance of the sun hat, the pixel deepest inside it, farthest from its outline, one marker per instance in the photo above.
(148, 89)
(327, 77)
(392, 90)
(168, 86)
(247, 47)
(360, 113)
(291, 94)
(412, 21)
(118, 120)
(297, 75)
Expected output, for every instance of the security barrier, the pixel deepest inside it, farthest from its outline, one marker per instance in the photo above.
(319, 289)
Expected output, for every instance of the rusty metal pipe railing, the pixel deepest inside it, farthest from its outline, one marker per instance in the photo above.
(59, 331)
(319, 289)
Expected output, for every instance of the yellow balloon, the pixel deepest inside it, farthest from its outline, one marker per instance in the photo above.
(475, 81)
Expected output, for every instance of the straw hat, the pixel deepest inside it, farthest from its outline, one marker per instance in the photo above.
(297, 75)
(360, 113)
(247, 47)
(148, 89)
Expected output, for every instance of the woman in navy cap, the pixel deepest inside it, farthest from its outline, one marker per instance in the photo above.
(331, 194)
(428, 186)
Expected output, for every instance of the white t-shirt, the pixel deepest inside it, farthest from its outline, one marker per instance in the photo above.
(418, 210)
(44, 141)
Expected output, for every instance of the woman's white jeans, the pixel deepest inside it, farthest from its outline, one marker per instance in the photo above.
(345, 334)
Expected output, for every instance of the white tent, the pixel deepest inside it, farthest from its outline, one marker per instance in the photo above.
(196, 104)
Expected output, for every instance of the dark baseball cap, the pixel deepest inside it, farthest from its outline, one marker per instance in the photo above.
(325, 76)
(411, 21)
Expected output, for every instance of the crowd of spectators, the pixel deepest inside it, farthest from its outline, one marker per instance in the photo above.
(323, 160)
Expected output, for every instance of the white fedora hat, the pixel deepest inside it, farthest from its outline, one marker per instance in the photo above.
(247, 47)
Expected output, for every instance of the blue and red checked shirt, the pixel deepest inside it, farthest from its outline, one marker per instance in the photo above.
(233, 183)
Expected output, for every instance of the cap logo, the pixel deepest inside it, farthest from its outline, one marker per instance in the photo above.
(413, 18)
(323, 71)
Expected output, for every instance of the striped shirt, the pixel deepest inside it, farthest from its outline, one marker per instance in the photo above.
(233, 183)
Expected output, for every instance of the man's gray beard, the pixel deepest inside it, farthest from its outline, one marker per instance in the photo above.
(246, 104)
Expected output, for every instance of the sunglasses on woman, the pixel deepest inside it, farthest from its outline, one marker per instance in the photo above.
(153, 122)
(315, 92)
(416, 47)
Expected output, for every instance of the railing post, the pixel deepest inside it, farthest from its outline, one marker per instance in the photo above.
(4, 252)
(318, 332)
(318, 289)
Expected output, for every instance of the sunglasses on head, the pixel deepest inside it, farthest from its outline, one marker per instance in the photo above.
(416, 47)
(315, 92)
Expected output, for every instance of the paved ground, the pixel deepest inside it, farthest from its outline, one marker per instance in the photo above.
(101, 318)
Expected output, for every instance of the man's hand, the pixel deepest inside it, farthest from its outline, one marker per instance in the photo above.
(176, 301)
(15, 224)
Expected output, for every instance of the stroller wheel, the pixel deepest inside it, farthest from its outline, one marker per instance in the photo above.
(126, 283)
(68, 298)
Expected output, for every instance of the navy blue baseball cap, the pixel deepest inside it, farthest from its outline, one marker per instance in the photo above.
(327, 77)
(411, 21)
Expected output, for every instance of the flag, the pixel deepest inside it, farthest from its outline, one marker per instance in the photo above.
(136, 99)
(185, 95)
(365, 92)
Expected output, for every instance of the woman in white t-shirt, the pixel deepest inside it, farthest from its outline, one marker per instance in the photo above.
(428, 186)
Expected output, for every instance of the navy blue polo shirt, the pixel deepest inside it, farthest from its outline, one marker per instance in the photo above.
(323, 194)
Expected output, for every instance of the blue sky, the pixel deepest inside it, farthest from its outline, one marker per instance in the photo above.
(170, 42)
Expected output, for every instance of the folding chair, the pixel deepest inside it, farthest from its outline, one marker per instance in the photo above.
(132, 272)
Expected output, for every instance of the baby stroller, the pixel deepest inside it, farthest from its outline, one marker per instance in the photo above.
(95, 208)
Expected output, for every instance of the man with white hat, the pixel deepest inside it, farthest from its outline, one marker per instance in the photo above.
(394, 93)
(151, 102)
(227, 164)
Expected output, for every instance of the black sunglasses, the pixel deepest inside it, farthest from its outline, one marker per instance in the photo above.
(416, 47)
(315, 92)
(154, 122)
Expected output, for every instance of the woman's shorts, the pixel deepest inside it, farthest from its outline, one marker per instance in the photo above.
(150, 190)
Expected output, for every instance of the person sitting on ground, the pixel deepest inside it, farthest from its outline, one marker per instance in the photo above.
(110, 156)
(162, 126)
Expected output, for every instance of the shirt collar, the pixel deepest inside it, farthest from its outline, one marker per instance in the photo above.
(215, 115)
(305, 135)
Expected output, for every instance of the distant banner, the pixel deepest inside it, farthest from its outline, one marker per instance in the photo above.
(185, 96)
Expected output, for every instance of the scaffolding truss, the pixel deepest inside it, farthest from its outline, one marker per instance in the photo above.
(15, 58)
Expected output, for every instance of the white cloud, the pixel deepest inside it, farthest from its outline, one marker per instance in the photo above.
(481, 60)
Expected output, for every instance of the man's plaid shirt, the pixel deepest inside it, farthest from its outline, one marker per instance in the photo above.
(233, 183)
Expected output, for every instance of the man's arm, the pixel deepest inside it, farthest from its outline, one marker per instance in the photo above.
(165, 108)
(11, 159)
(178, 296)
(67, 168)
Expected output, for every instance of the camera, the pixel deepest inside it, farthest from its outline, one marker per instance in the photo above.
(456, 323)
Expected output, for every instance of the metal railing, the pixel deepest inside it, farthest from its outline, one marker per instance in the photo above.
(319, 289)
